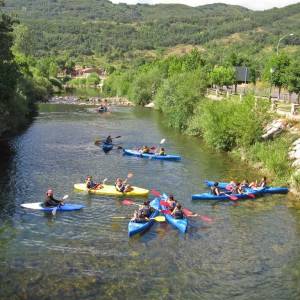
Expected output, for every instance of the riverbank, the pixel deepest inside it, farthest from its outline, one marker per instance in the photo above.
(80, 100)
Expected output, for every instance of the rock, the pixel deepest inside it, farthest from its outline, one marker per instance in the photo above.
(296, 142)
(297, 154)
(292, 154)
(150, 105)
(273, 129)
(296, 163)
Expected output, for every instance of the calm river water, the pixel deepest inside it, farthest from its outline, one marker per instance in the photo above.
(250, 251)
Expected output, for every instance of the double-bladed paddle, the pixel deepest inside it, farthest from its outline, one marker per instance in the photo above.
(56, 207)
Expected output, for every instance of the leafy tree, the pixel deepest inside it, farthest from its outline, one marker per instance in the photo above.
(276, 70)
(221, 76)
(293, 78)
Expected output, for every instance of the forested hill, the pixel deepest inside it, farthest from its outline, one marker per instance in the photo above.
(103, 28)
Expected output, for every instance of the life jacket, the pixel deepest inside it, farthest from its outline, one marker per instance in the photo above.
(90, 184)
(178, 214)
(146, 210)
(120, 187)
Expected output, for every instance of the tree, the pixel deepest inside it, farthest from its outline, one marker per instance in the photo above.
(221, 76)
(293, 78)
(23, 42)
(276, 71)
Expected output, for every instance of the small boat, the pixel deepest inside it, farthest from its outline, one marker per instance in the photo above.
(110, 190)
(151, 155)
(65, 207)
(180, 224)
(265, 190)
(134, 228)
(227, 196)
(106, 147)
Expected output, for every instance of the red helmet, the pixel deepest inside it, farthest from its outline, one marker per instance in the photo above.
(50, 192)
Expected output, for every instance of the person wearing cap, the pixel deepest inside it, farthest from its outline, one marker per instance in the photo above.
(92, 185)
(50, 201)
(108, 140)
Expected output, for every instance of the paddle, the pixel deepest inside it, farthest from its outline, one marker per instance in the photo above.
(56, 207)
(157, 219)
(232, 197)
(97, 142)
(189, 213)
(161, 142)
(129, 202)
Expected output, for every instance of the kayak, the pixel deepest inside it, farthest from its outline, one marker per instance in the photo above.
(65, 207)
(265, 190)
(209, 196)
(106, 147)
(134, 228)
(110, 190)
(180, 224)
(151, 155)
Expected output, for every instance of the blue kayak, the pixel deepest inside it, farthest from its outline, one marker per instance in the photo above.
(65, 207)
(106, 147)
(151, 155)
(265, 190)
(134, 228)
(180, 224)
(209, 196)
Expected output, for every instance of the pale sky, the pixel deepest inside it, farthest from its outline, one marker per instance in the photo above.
(254, 4)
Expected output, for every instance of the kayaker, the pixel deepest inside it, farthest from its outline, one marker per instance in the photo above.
(215, 190)
(121, 186)
(245, 184)
(146, 209)
(171, 202)
(177, 213)
(239, 189)
(139, 217)
(162, 151)
(231, 186)
(50, 201)
(145, 150)
(108, 140)
(253, 184)
(90, 184)
(263, 182)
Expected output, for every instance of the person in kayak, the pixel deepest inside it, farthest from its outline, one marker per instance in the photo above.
(90, 184)
(231, 186)
(122, 186)
(108, 140)
(162, 151)
(177, 213)
(145, 150)
(215, 190)
(171, 202)
(263, 182)
(245, 184)
(139, 217)
(50, 201)
(146, 209)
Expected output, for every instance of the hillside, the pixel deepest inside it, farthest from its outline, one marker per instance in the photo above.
(81, 27)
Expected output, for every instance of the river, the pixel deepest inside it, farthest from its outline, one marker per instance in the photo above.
(250, 251)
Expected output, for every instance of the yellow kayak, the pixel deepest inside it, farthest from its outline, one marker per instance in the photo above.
(111, 190)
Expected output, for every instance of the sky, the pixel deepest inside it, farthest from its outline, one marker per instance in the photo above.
(254, 4)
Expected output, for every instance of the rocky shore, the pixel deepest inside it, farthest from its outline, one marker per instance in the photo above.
(116, 101)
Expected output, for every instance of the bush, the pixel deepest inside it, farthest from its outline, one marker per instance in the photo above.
(178, 96)
(274, 156)
(230, 123)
